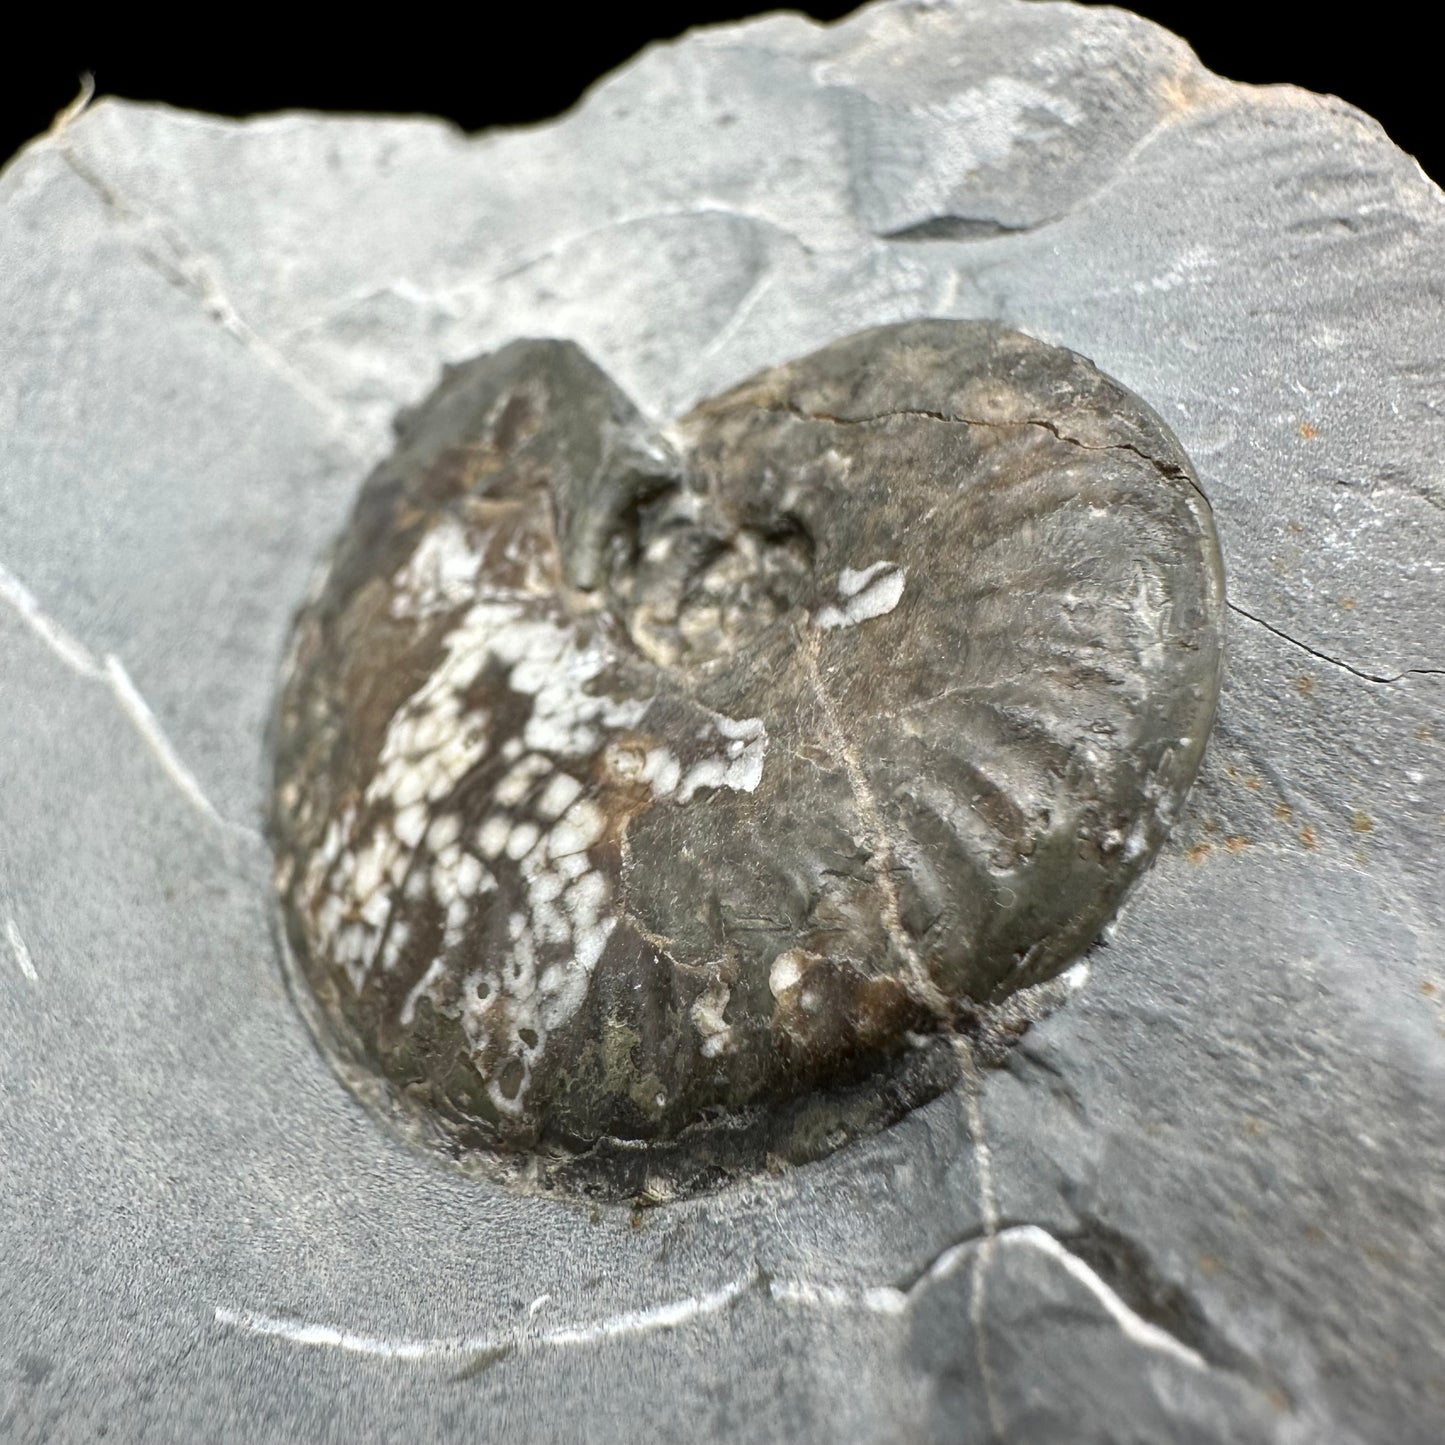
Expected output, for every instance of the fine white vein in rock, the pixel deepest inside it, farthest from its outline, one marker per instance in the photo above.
(631, 1322)
(110, 671)
(977, 1316)
(21, 950)
(983, 1155)
(888, 1301)
(988, 1210)
(134, 706)
(73, 654)
(874, 1299)
(1134, 1325)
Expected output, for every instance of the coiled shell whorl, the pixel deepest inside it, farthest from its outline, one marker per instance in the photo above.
(649, 806)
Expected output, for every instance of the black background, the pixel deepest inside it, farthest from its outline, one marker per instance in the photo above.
(487, 64)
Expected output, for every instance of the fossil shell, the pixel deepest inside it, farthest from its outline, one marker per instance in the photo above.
(649, 806)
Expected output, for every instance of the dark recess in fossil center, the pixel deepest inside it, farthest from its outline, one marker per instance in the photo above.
(653, 806)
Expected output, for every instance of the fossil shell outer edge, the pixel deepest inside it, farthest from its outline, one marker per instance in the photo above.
(649, 807)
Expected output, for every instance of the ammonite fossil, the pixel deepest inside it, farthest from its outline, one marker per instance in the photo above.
(654, 805)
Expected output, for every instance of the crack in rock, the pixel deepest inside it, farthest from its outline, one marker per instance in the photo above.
(962, 228)
(1373, 677)
(872, 818)
(159, 245)
(949, 418)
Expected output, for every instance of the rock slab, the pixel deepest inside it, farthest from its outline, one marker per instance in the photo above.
(1202, 1202)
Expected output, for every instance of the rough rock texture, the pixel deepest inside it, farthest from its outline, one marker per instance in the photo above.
(1204, 1200)
(654, 809)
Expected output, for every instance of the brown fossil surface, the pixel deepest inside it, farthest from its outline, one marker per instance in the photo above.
(652, 805)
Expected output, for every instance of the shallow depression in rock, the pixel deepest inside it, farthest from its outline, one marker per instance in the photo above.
(652, 807)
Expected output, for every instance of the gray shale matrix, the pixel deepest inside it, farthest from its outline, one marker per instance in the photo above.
(1201, 1200)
